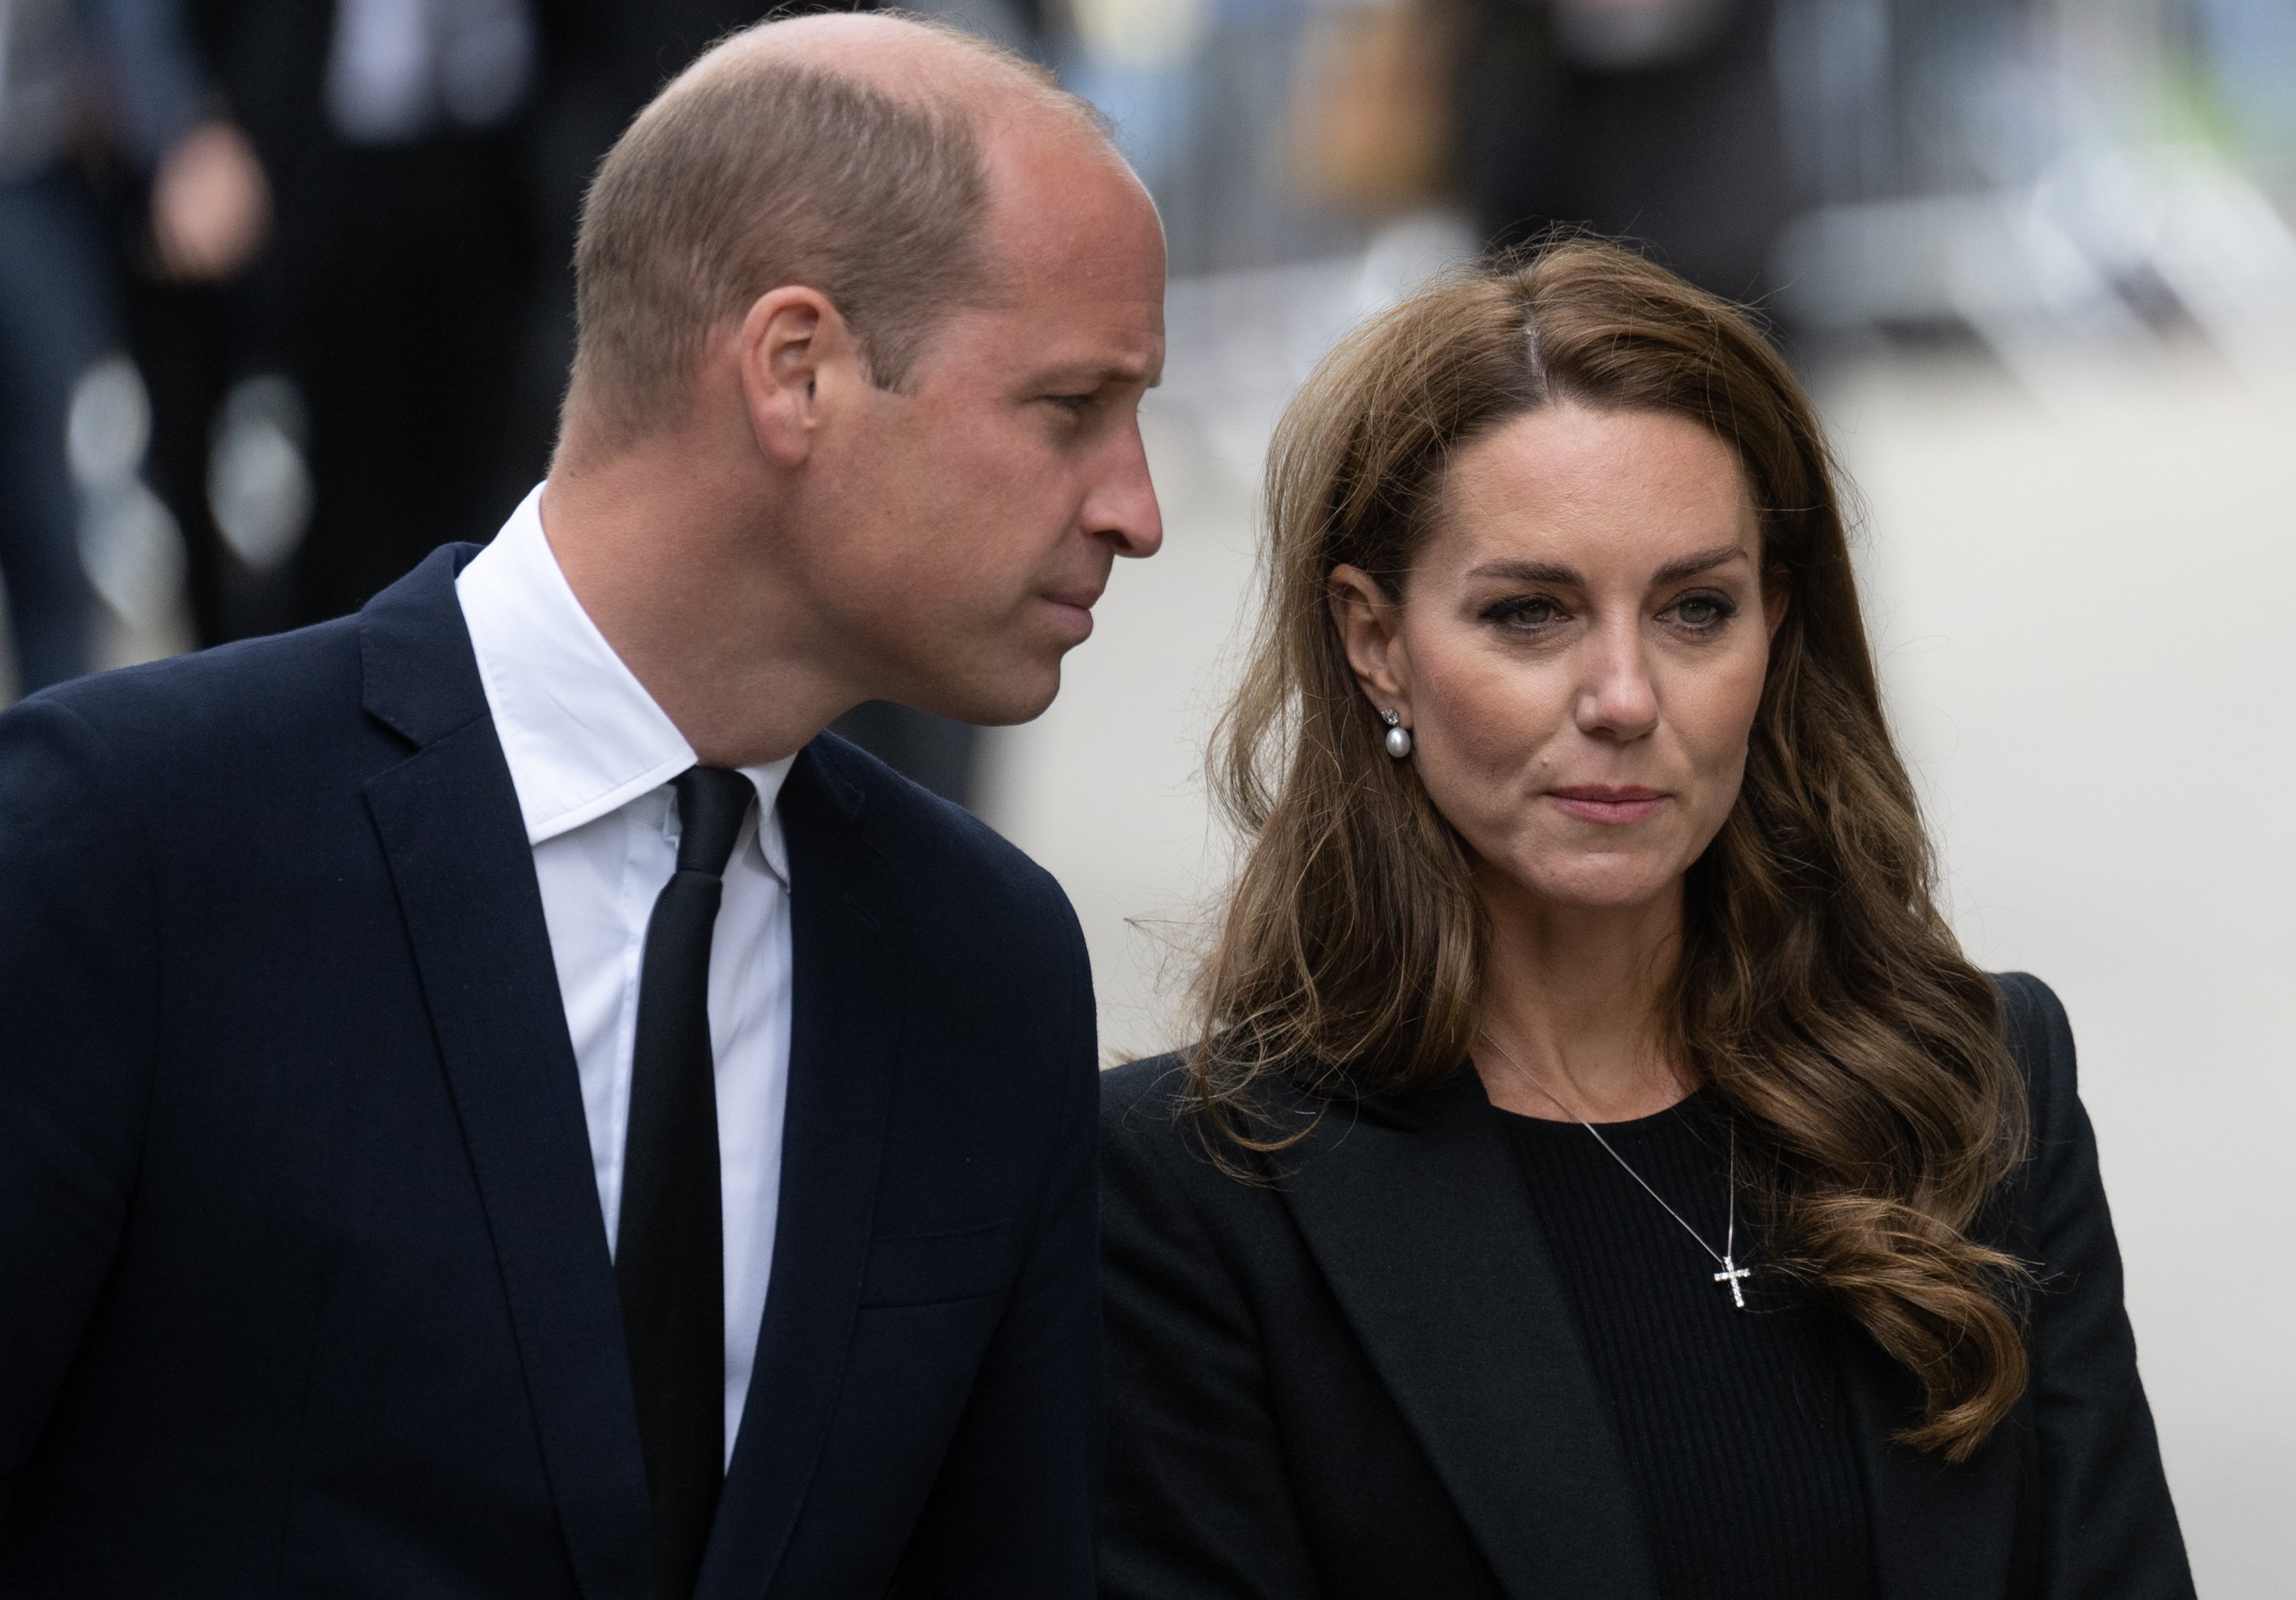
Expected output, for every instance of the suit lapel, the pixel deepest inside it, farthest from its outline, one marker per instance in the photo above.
(449, 822)
(1415, 1211)
(844, 1028)
(1940, 1532)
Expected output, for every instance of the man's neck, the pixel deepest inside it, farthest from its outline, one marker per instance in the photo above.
(662, 552)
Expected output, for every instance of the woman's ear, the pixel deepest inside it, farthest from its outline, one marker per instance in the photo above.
(1370, 626)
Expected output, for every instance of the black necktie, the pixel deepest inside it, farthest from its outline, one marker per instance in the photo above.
(669, 1252)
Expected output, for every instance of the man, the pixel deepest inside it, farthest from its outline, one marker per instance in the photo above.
(492, 1103)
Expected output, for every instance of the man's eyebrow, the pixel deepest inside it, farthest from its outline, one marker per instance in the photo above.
(1093, 374)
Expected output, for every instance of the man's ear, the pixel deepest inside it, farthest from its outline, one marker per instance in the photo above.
(794, 352)
(1369, 623)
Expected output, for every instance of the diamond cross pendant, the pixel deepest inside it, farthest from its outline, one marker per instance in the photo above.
(1731, 1274)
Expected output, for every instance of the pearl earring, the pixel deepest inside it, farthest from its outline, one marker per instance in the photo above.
(1398, 737)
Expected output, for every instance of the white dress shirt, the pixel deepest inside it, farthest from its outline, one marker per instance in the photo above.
(592, 756)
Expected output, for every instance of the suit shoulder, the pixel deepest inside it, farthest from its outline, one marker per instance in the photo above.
(255, 685)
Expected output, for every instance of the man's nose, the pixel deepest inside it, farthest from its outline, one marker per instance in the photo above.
(1122, 507)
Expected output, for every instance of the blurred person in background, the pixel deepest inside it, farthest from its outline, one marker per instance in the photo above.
(122, 72)
(397, 293)
(1655, 119)
(186, 334)
(1600, 1170)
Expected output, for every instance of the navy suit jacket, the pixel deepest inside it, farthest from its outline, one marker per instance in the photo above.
(304, 1286)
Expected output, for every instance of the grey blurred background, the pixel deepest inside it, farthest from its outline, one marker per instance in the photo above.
(284, 301)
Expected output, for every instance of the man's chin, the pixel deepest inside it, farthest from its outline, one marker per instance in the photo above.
(1017, 709)
(1008, 700)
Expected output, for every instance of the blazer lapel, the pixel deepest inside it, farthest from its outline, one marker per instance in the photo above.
(1415, 1211)
(1941, 1533)
(844, 1028)
(448, 821)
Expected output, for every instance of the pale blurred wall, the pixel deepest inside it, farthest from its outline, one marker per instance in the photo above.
(2085, 603)
(2086, 609)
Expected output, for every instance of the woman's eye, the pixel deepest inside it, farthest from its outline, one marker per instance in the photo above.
(1703, 612)
(1526, 611)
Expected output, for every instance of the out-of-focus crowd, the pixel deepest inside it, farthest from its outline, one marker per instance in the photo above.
(285, 297)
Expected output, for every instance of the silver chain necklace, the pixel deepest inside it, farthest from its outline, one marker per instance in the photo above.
(1732, 1273)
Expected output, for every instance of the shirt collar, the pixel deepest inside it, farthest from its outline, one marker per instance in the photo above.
(582, 736)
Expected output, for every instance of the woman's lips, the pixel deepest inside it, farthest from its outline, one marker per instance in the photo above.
(1601, 802)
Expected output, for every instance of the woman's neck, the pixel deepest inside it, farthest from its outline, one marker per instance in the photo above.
(1572, 1008)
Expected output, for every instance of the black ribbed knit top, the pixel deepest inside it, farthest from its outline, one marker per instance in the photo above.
(1731, 1421)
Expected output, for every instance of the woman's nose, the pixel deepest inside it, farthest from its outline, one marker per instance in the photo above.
(1616, 699)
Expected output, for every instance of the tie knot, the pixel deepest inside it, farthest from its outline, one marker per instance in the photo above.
(711, 803)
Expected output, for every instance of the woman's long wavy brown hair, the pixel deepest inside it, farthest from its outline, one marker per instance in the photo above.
(1818, 990)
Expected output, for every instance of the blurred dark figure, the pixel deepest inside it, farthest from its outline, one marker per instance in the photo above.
(1657, 120)
(184, 331)
(68, 68)
(397, 293)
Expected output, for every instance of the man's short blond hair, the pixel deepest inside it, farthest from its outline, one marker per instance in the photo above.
(746, 176)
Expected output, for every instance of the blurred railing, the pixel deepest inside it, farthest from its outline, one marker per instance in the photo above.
(2046, 174)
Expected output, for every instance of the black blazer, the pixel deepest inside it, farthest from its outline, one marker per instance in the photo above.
(1366, 1379)
(304, 1286)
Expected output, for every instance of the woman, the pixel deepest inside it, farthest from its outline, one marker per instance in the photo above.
(1601, 1173)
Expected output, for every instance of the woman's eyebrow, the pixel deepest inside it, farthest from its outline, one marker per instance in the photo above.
(1531, 571)
(1705, 560)
(1538, 571)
